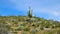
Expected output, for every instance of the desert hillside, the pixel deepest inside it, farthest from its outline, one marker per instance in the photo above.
(27, 25)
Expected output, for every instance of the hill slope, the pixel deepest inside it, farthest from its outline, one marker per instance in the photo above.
(26, 25)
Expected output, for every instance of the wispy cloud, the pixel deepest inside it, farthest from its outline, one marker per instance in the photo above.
(56, 14)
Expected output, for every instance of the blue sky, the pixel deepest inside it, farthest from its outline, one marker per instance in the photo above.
(48, 9)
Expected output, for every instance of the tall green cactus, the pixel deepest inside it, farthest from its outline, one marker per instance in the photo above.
(30, 12)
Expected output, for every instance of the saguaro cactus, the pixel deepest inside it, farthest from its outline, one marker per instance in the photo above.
(30, 12)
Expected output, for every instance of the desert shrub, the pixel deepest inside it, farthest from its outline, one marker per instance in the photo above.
(15, 32)
(22, 24)
(3, 30)
(53, 27)
(49, 32)
(26, 29)
(21, 28)
(41, 28)
(24, 33)
(58, 32)
(34, 31)
(47, 26)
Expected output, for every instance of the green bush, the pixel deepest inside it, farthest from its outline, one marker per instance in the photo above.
(49, 32)
(26, 29)
(41, 28)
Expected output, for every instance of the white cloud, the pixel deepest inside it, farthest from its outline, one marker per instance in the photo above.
(56, 13)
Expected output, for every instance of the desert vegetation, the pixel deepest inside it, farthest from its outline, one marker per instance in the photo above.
(28, 25)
